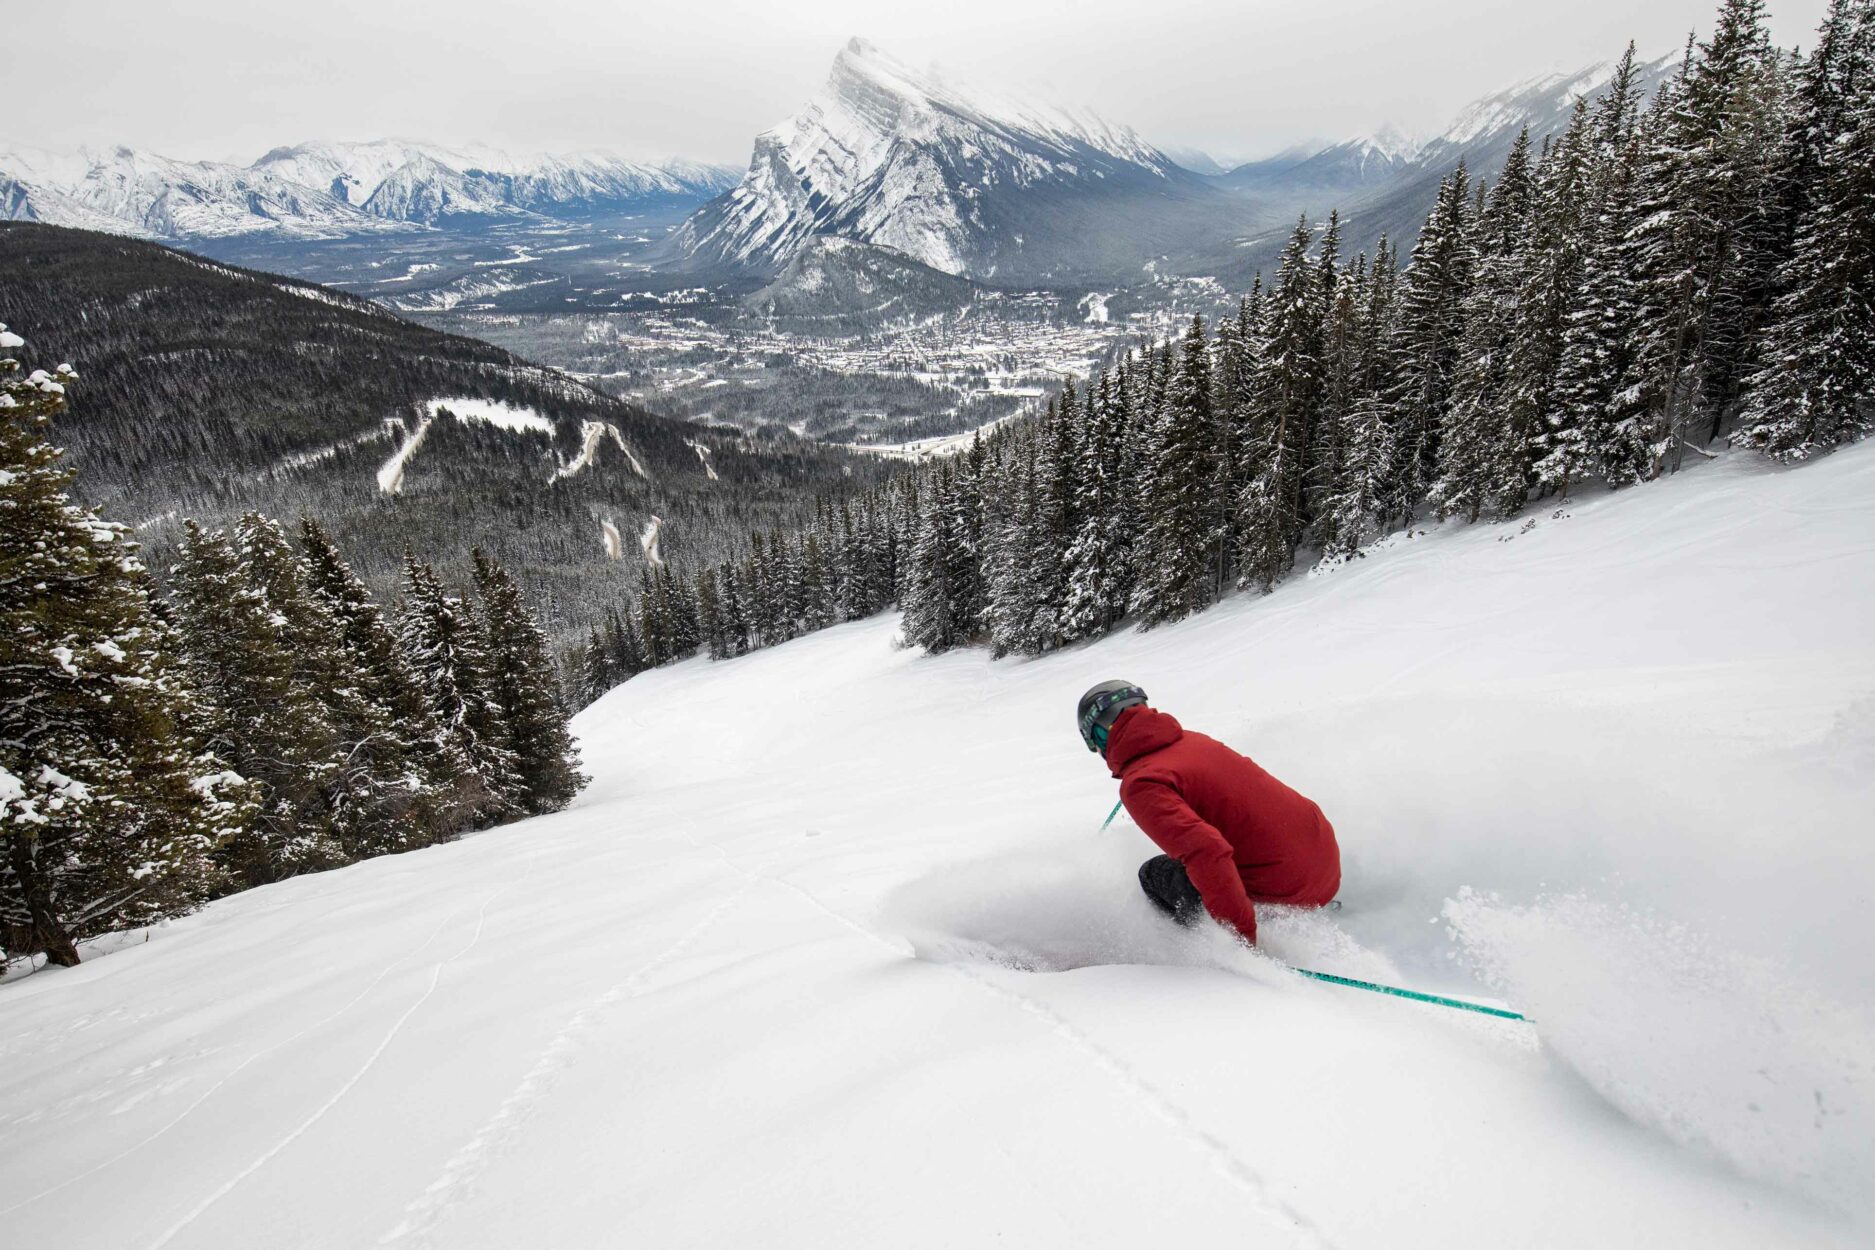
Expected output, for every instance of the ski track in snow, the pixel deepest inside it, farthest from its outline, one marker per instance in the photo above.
(231, 1074)
(436, 976)
(1283, 1218)
(561, 1051)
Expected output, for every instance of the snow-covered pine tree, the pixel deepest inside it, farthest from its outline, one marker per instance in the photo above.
(1342, 375)
(1548, 278)
(1359, 496)
(262, 719)
(624, 644)
(734, 610)
(439, 789)
(653, 639)
(1707, 217)
(1287, 399)
(760, 595)
(1588, 430)
(1176, 564)
(1816, 389)
(522, 681)
(109, 815)
(931, 601)
(449, 652)
(1062, 503)
(1430, 329)
(1481, 457)
(710, 615)
(373, 789)
(1097, 558)
(595, 668)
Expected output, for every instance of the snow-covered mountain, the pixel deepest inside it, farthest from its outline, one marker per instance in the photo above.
(424, 182)
(126, 191)
(956, 178)
(326, 190)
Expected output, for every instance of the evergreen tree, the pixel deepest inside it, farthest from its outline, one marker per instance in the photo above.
(1816, 389)
(435, 787)
(449, 651)
(1287, 400)
(372, 786)
(1481, 455)
(521, 679)
(624, 645)
(596, 674)
(933, 619)
(1359, 496)
(1175, 568)
(261, 718)
(1098, 558)
(1429, 334)
(1704, 236)
(109, 814)
(1549, 275)
(1018, 615)
(1590, 427)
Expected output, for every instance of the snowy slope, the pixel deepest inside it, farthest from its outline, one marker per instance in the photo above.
(759, 987)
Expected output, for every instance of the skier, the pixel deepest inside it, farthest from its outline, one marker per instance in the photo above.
(1233, 835)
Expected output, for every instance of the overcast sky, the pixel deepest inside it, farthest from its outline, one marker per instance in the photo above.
(228, 79)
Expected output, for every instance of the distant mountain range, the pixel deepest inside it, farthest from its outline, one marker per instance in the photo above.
(330, 190)
(961, 181)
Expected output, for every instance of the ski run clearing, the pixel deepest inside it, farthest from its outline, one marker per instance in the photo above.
(648, 542)
(391, 473)
(593, 433)
(832, 952)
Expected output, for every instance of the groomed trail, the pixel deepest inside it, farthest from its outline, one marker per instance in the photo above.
(831, 953)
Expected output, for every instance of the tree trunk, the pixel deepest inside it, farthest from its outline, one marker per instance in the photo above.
(46, 932)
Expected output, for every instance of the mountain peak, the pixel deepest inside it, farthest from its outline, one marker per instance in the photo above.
(917, 161)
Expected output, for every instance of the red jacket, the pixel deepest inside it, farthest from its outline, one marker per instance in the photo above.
(1242, 835)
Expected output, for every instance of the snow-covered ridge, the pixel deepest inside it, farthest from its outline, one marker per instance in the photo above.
(323, 190)
(154, 196)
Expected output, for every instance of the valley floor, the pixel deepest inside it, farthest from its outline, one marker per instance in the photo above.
(832, 954)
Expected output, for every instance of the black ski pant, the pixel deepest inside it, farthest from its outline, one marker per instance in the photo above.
(1169, 886)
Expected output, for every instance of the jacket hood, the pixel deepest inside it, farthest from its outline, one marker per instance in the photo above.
(1139, 731)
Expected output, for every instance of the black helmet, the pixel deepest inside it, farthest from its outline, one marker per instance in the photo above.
(1101, 706)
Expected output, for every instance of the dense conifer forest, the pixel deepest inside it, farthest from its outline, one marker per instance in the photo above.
(1663, 277)
(264, 718)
